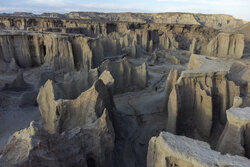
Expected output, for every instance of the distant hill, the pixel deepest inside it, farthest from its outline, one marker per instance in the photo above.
(217, 21)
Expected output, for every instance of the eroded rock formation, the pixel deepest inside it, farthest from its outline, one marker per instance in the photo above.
(170, 150)
(235, 137)
(18, 84)
(199, 98)
(79, 146)
(81, 59)
(59, 115)
(126, 74)
(72, 133)
(225, 22)
(116, 36)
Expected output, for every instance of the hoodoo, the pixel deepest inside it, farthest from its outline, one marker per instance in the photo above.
(87, 89)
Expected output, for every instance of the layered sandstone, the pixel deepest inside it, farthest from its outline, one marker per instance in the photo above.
(170, 150)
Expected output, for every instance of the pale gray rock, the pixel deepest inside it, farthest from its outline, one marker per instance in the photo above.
(18, 84)
(126, 74)
(204, 93)
(171, 150)
(234, 139)
(80, 146)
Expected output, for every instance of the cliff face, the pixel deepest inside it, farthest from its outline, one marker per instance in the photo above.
(199, 98)
(34, 146)
(235, 137)
(226, 44)
(225, 22)
(75, 132)
(195, 38)
(126, 74)
(59, 52)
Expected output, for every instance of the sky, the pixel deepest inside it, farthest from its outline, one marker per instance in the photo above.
(237, 8)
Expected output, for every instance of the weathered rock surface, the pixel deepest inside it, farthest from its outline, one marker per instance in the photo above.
(244, 29)
(199, 98)
(107, 79)
(126, 74)
(230, 45)
(82, 62)
(76, 82)
(170, 150)
(235, 137)
(18, 84)
(75, 132)
(170, 82)
(121, 35)
(239, 73)
(60, 115)
(34, 49)
(28, 98)
(218, 21)
(80, 146)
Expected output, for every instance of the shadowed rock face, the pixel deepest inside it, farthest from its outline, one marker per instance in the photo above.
(34, 146)
(59, 52)
(170, 150)
(72, 133)
(18, 84)
(126, 74)
(199, 98)
(60, 115)
(235, 137)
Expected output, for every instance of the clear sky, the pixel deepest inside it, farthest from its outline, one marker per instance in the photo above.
(237, 8)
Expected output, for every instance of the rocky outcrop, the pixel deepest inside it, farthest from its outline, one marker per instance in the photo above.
(170, 82)
(117, 36)
(225, 45)
(60, 115)
(126, 74)
(107, 79)
(199, 98)
(75, 132)
(170, 150)
(59, 52)
(76, 82)
(89, 145)
(239, 73)
(18, 84)
(218, 21)
(28, 98)
(235, 137)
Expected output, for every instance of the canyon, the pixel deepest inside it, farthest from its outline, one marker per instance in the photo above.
(124, 90)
